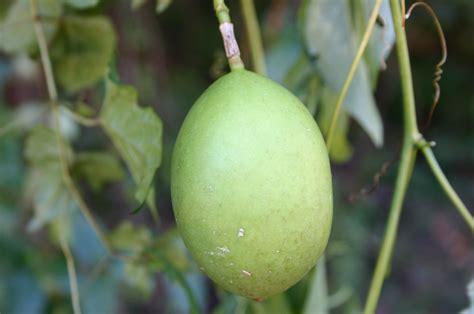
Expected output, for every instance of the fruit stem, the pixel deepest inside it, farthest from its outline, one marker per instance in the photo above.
(226, 27)
(350, 76)
(254, 36)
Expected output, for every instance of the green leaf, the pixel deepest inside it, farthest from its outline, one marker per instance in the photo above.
(341, 149)
(172, 248)
(45, 182)
(128, 237)
(329, 36)
(98, 168)
(162, 5)
(139, 279)
(17, 33)
(82, 4)
(83, 50)
(137, 134)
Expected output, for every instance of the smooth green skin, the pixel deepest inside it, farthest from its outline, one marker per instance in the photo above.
(251, 186)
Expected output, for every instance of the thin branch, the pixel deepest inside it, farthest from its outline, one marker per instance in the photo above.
(407, 161)
(71, 269)
(226, 27)
(53, 95)
(254, 35)
(352, 71)
(425, 148)
(403, 179)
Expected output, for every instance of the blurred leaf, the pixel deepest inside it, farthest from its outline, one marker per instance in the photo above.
(137, 134)
(313, 94)
(83, 50)
(98, 168)
(138, 3)
(128, 237)
(341, 149)
(134, 240)
(383, 36)
(329, 37)
(317, 299)
(140, 279)
(50, 196)
(82, 4)
(16, 30)
(162, 5)
(277, 304)
(171, 246)
(283, 54)
(155, 257)
(4, 5)
(470, 295)
(84, 109)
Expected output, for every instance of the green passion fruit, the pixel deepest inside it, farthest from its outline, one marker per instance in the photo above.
(251, 186)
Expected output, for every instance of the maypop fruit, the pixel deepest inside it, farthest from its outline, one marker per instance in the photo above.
(251, 186)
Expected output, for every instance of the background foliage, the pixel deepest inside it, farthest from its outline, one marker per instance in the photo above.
(113, 57)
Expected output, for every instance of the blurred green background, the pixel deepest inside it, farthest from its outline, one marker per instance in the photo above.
(170, 59)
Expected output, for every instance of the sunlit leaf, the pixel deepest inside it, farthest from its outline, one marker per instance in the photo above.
(82, 52)
(137, 134)
(82, 4)
(46, 186)
(162, 5)
(98, 168)
(17, 33)
(330, 38)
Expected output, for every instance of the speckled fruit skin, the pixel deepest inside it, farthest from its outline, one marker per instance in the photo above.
(251, 186)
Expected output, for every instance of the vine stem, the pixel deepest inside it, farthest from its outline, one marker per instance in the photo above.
(411, 143)
(53, 95)
(350, 76)
(71, 269)
(226, 28)
(426, 150)
(254, 36)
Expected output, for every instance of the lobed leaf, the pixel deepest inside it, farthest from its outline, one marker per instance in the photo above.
(137, 134)
(98, 168)
(51, 199)
(82, 52)
(329, 37)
